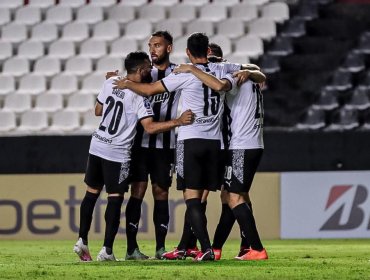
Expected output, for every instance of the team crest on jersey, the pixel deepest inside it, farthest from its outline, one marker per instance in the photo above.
(147, 103)
(162, 97)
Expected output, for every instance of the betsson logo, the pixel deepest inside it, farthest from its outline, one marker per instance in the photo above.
(349, 201)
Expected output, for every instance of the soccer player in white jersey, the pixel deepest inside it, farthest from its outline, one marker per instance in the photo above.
(110, 151)
(198, 148)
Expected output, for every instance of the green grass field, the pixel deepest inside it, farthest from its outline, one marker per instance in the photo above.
(289, 259)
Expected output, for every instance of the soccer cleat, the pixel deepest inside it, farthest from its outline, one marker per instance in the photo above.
(208, 255)
(136, 255)
(243, 250)
(253, 255)
(82, 251)
(192, 252)
(103, 256)
(217, 253)
(174, 255)
(159, 253)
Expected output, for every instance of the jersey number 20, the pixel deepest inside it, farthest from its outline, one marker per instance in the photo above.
(117, 115)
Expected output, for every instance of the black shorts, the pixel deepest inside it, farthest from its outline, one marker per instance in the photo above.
(158, 163)
(241, 165)
(198, 164)
(114, 175)
(222, 167)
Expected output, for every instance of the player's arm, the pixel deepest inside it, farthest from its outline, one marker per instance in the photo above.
(254, 75)
(98, 109)
(153, 127)
(209, 80)
(250, 66)
(143, 89)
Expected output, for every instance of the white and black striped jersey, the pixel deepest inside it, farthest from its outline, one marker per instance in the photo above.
(243, 117)
(205, 103)
(165, 108)
(122, 109)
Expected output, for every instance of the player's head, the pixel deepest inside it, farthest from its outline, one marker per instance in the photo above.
(138, 63)
(197, 45)
(160, 46)
(215, 53)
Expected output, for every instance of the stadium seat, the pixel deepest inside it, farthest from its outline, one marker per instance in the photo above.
(269, 64)
(78, 66)
(59, 15)
(74, 4)
(223, 41)
(103, 3)
(17, 103)
(48, 103)
(43, 4)
(14, 33)
(11, 4)
(31, 49)
(7, 121)
(89, 14)
(307, 11)
(7, 85)
(179, 47)
(80, 102)
(232, 28)
(340, 81)
(44, 32)
(213, 12)
(107, 63)
(250, 46)
(122, 46)
(138, 29)
(256, 2)
(245, 12)
(344, 119)
(365, 83)
(31, 84)
(359, 100)
(136, 3)
(47, 66)
(294, 28)
(153, 13)
(366, 119)
(263, 28)
(75, 31)
(121, 14)
(228, 3)
(63, 84)
(165, 2)
(92, 48)
(281, 46)
(4, 16)
(195, 2)
(276, 11)
(327, 101)
(364, 45)
(353, 63)
(27, 15)
(237, 58)
(183, 13)
(200, 25)
(62, 49)
(16, 66)
(172, 25)
(107, 30)
(63, 121)
(93, 83)
(90, 122)
(32, 121)
(313, 119)
(179, 59)
(6, 50)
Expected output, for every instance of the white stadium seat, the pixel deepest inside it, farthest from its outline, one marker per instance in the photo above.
(31, 49)
(63, 84)
(7, 121)
(47, 66)
(103, 3)
(6, 50)
(62, 49)
(32, 84)
(227, 3)
(90, 122)
(92, 48)
(43, 4)
(121, 14)
(59, 15)
(63, 121)
(245, 12)
(11, 4)
(263, 28)
(106, 64)
(153, 13)
(28, 15)
(213, 12)
(80, 102)
(232, 28)
(13, 32)
(89, 14)
(171, 25)
(237, 58)
(17, 103)
(49, 103)
(78, 66)
(222, 41)
(16, 66)
(183, 13)
(93, 83)
(122, 47)
(200, 25)
(255, 2)
(276, 11)
(165, 2)
(44, 32)
(7, 84)
(107, 30)
(4, 16)
(75, 31)
(195, 2)
(138, 29)
(33, 121)
(179, 46)
(136, 3)
(251, 46)
(72, 3)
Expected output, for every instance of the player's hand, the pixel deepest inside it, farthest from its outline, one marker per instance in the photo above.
(186, 117)
(183, 68)
(241, 76)
(111, 74)
(120, 83)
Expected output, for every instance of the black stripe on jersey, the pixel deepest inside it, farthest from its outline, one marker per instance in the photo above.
(157, 112)
(226, 124)
(97, 100)
(167, 134)
(139, 135)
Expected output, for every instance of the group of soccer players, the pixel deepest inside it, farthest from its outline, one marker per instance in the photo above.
(136, 139)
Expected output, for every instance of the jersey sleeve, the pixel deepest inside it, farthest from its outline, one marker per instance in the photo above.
(143, 108)
(232, 67)
(233, 82)
(174, 82)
